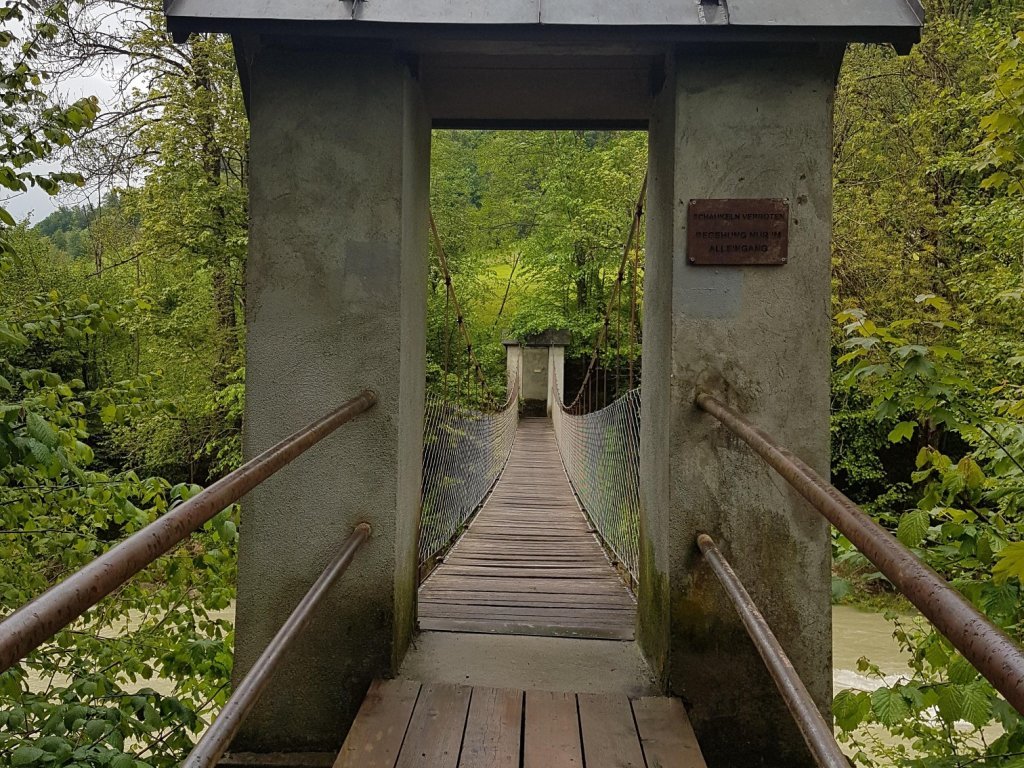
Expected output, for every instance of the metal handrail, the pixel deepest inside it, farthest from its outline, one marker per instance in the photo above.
(36, 621)
(816, 731)
(981, 642)
(218, 737)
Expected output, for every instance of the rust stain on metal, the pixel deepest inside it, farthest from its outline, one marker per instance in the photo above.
(35, 622)
(816, 732)
(220, 734)
(737, 232)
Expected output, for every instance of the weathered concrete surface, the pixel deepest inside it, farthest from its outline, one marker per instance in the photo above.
(515, 661)
(336, 289)
(556, 369)
(513, 364)
(535, 361)
(653, 618)
(749, 126)
(535, 373)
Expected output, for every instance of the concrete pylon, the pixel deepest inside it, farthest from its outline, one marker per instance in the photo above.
(538, 360)
(756, 125)
(336, 301)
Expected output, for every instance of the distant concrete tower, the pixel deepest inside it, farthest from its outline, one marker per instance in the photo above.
(539, 359)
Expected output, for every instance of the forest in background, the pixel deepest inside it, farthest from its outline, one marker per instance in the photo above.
(122, 349)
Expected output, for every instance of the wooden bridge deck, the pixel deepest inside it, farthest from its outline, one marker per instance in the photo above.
(529, 563)
(403, 724)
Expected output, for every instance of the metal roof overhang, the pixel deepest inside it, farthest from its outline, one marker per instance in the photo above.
(884, 21)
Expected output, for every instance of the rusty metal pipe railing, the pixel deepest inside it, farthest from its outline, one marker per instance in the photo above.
(218, 737)
(35, 622)
(981, 642)
(816, 731)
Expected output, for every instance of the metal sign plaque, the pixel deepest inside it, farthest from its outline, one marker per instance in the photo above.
(738, 232)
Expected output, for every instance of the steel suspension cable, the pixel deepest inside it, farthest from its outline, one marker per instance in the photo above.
(632, 313)
(634, 229)
(459, 317)
(600, 452)
(508, 287)
(447, 336)
(464, 452)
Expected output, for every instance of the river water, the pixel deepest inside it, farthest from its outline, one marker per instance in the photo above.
(857, 633)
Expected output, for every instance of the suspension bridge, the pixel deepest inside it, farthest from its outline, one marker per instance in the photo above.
(691, 512)
(528, 527)
(551, 546)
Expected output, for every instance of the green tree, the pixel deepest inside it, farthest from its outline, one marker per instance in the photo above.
(32, 126)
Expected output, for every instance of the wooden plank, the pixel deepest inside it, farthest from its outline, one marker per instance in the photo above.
(564, 574)
(536, 629)
(503, 584)
(551, 735)
(529, 556)
(666, 734)
(376, 735)
(558, 614)
(610, 739)
(464, 597)
(493, 729)
(436, 728)
(529, 562)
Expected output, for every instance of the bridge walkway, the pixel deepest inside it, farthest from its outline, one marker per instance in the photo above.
(405, 724)
(529, 563)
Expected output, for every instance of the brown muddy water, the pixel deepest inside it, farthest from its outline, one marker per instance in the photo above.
(856, 634)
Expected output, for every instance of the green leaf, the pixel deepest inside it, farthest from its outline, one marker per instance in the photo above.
(950, 703)
(913, 527)
(1009, 563)
(228, 532)
(889, 706)
(961, 671)
(41, 430)
(96, 729)
(840, 588)
(13, 338)
(26, 756)
(850, 708)
(902, 431)
(40, 452)
(972, 474)
(108, 413)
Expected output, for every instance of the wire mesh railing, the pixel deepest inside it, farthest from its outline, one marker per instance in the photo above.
(601, 455)
(464, 452)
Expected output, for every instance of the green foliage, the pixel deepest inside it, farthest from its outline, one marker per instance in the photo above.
(929, 423)
(121, 342)
(534, 224)
(86, 697)
(90, 391)
(1002, 151)
(32, 126)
